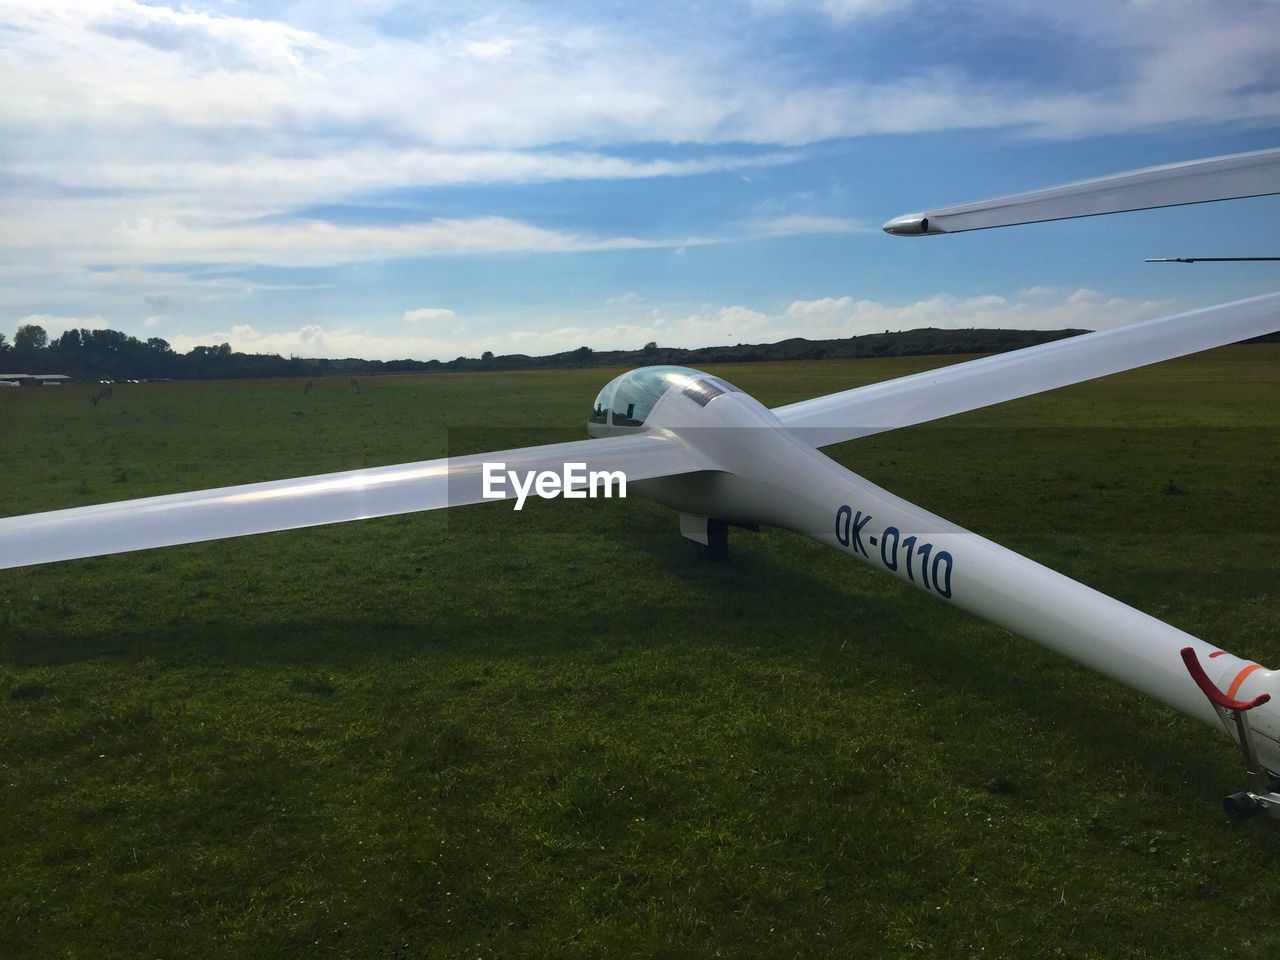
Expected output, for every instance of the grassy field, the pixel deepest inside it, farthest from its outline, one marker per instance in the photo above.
(563, 733)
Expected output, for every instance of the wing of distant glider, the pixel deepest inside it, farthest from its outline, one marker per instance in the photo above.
(1196, 181)
(933, 394)
(327, 498)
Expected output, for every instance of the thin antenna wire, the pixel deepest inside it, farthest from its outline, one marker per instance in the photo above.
(1207, 259)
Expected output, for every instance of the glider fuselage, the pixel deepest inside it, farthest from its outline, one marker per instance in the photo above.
(769, 475)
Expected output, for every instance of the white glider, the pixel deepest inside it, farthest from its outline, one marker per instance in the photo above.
(716, 455)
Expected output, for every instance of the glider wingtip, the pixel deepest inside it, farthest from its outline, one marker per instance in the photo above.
(911, 225)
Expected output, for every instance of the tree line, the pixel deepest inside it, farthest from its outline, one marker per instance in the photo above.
(111, 355)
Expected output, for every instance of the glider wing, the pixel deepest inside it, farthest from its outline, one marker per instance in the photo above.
(327, 498)
(1195, 181)
(933, 394)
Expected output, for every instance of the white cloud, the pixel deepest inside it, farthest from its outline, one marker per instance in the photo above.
(507, 80)
(55, 325)
(78, 233)
(847, 10)
(84, 234)
(261, 183)
(137, 134)
(793, 224)
(147, 95)
(429, 315)
(490, 49)
(29, 286)
(314, 340)
(842, 12)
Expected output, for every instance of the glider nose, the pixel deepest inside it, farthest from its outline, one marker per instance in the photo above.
(911, 225)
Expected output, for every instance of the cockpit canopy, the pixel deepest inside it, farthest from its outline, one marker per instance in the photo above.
(626, 401)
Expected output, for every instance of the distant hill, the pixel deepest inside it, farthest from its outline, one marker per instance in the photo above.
(927, 340)
(109, 354)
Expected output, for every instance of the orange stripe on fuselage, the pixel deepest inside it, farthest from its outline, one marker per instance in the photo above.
(1240, 677)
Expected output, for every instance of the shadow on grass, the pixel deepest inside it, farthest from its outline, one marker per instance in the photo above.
(898, 635)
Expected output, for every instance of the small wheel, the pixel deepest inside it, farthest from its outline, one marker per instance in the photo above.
(1240, 806)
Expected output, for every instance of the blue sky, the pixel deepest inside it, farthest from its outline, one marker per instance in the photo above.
(387, 180)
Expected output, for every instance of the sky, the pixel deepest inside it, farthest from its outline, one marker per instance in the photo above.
(389, 180)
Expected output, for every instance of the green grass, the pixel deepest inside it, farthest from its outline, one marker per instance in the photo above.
(562, 732)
